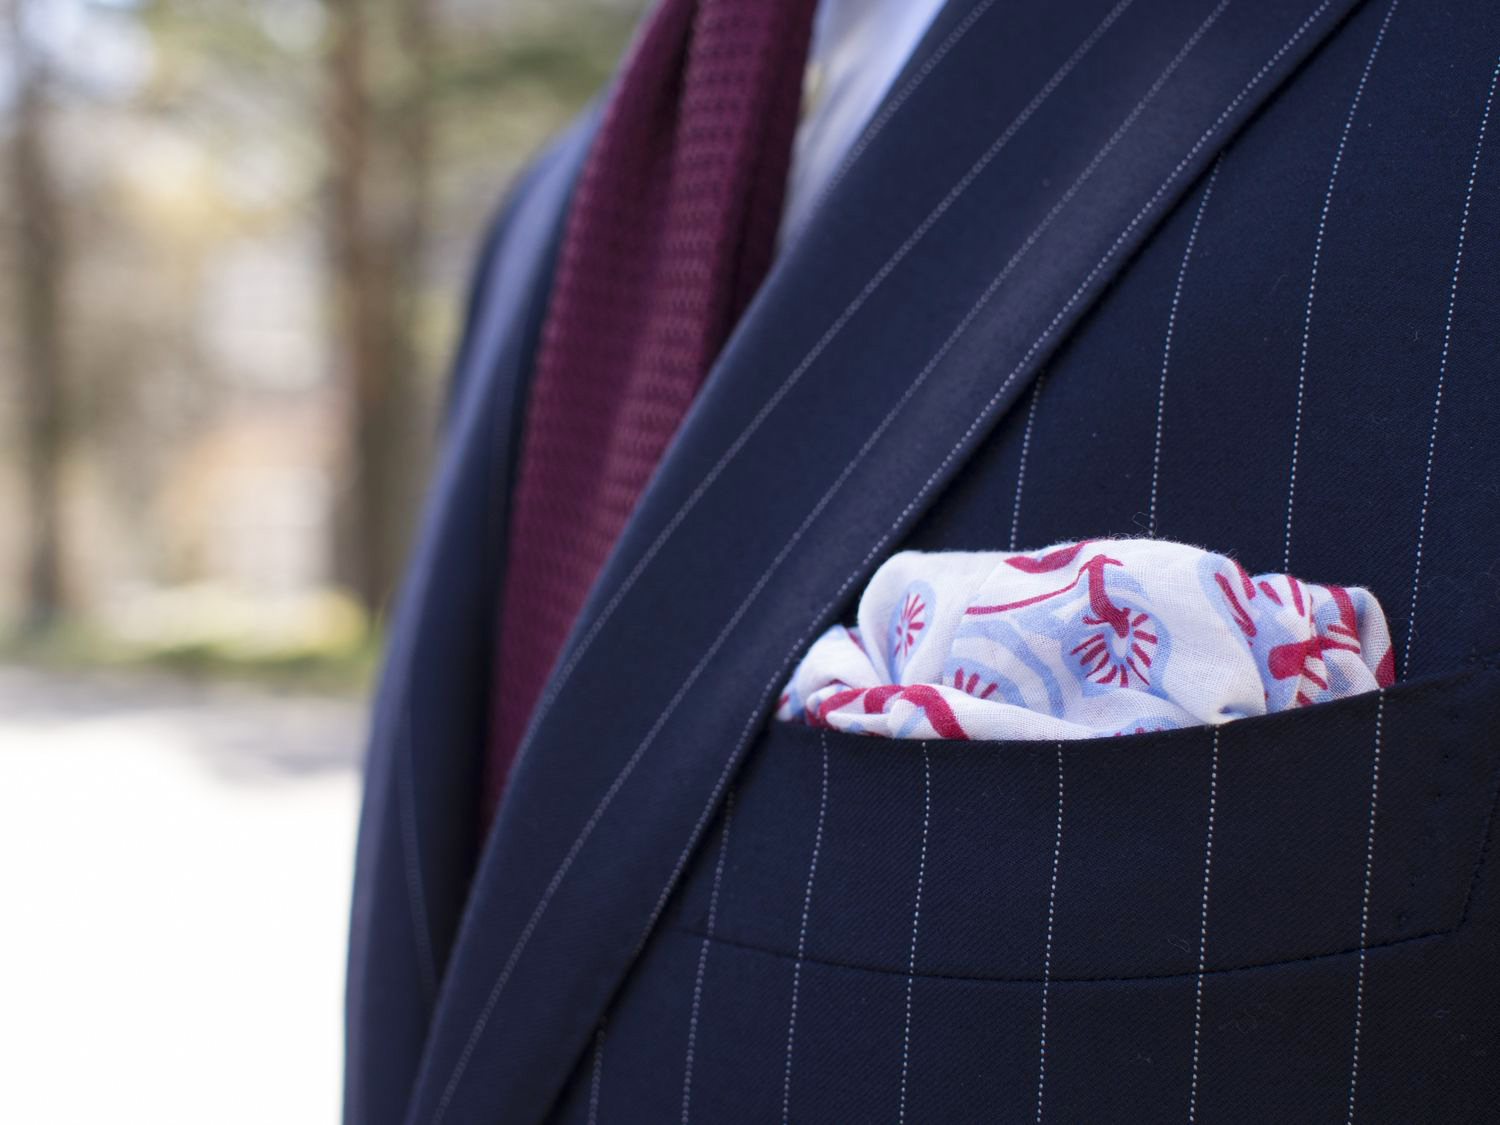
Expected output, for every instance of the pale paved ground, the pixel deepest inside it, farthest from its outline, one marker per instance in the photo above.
(174, 884)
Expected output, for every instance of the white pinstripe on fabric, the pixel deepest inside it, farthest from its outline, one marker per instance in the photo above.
(708, 934)
(1312, 284)
(596, 1072)
(894, 103)
(807, 891)
(1208, 867)
(1364, 908)
(1166, 350)
(916, 919)
(1041, 1066)
(1437, 401)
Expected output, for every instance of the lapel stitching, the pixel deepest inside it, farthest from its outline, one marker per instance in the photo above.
(982, 419)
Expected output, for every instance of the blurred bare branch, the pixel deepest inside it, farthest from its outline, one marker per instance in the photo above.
(378, 176)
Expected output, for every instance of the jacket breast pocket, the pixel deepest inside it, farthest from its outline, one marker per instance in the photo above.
(1275, 920)
(1266, 841)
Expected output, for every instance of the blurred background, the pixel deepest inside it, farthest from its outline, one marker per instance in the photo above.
(234, 242)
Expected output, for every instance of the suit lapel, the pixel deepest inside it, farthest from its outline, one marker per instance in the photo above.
(418, 829)
(1033, 149)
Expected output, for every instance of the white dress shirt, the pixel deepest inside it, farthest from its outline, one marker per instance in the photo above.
(858, 48)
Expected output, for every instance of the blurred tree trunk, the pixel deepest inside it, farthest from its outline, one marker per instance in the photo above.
(40, 267)
(414, 137)
(378, 146)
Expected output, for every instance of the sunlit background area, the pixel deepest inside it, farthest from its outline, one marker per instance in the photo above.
(235, 240)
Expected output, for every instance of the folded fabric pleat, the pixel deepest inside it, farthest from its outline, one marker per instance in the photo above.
(1083, 640)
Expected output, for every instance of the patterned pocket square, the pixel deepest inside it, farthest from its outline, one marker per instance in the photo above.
(1082, 640)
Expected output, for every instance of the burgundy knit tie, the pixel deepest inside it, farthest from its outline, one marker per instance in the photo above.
(671, 229)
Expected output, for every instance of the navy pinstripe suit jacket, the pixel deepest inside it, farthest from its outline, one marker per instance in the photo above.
(1223, 270)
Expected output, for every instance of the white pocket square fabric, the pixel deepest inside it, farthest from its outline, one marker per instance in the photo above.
(1082, 640)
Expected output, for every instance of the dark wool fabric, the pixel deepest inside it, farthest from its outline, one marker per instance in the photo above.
(1222, 270)
(670, 232)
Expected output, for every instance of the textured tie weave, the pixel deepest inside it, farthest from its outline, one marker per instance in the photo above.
(671, 229)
